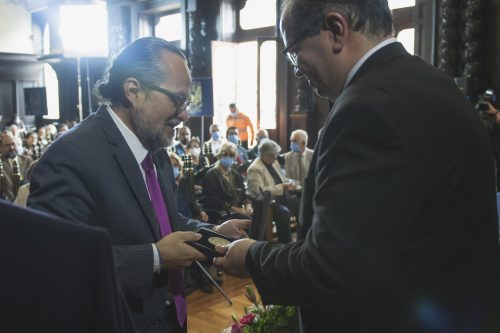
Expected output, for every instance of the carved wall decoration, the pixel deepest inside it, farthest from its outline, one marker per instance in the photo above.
(304, 96)
(471, 51)
(198, 45)
(450, 37)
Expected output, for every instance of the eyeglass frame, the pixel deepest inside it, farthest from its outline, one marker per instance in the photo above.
(306, 34)
(177, 99)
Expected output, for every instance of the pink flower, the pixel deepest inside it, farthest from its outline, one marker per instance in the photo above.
(247, 319)
(235, 328)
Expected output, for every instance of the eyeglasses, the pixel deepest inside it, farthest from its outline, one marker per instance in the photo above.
(181, 103)
(291, 51)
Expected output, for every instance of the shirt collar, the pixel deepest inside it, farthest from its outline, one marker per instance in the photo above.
(132, 140)
(365, 57)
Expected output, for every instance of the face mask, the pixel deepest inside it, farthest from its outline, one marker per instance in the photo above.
(226, 161)
(234, 114)
(216, 135)
(233, 138)
(195, 152)
(177, 172)
(295, 147)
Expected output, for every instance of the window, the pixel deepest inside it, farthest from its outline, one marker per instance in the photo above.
(267, 85)
(52, 89)
(393, 4)
(79, 36)
(258, 14)
(407, 38)
(169, 27)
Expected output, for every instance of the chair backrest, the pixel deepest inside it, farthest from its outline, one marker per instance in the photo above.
(261, 216)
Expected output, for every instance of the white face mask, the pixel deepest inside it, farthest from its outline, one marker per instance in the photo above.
(196, 152)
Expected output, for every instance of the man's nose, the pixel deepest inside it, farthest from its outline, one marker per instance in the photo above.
(183, 116)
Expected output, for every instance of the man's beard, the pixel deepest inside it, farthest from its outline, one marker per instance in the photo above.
(184, 141)
(152, 136)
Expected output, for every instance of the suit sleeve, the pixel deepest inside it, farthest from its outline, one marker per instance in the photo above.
(360, 219)
(62, 184)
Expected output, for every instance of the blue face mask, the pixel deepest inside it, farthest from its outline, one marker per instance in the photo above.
(233, 138)
(227, 161)
(295, 147)
(216, 135)
(177, 172)
(234, 114)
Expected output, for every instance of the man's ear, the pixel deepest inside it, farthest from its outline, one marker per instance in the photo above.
(338, 27)
(131, 90)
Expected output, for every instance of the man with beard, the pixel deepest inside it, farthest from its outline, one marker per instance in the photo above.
(111, 171)
(10, 160)
(398, 223)
(184, 136)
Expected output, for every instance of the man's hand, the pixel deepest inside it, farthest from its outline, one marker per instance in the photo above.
(233, 263)
(174, 251)
(233, 228)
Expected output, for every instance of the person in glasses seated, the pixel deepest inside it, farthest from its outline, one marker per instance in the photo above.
(264, 174)
(224, 190)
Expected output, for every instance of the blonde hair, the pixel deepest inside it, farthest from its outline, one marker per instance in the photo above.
(227, 147)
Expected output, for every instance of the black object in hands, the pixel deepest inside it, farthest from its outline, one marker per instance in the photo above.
(206, 244)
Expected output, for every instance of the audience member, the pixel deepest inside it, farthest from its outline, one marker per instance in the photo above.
(264, 174)
(30, 145)
(13, 167)
(398, 224)
(242, 123)
(224, 190)
(24, 191)
(232, 136)
(254, 152)
(216, 140)
(200, 162)
(186, 200)
(184, 135)
(42, 136)
(298, 160)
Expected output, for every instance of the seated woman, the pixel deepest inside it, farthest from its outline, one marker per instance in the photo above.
(265, 174)
(223, 190)
(200, 162)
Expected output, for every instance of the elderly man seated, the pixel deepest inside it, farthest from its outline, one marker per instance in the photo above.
(265, 174)
(12, 167)
(297, 160)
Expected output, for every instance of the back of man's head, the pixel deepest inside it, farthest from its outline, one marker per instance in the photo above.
(141, 60)
(370, 17)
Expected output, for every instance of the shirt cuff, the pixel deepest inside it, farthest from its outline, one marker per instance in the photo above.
(156, 259)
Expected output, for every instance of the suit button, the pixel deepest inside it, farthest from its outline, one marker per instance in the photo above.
(156, 323)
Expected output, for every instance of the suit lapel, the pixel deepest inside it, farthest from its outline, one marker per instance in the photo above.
(128, 166)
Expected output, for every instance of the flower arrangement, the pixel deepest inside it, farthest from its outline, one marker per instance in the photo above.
(261, 318)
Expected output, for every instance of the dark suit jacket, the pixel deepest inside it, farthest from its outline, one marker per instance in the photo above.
(90, 175)
(57, 276)
(398, 227)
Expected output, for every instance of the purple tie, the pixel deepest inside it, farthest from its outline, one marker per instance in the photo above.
(174, 275)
